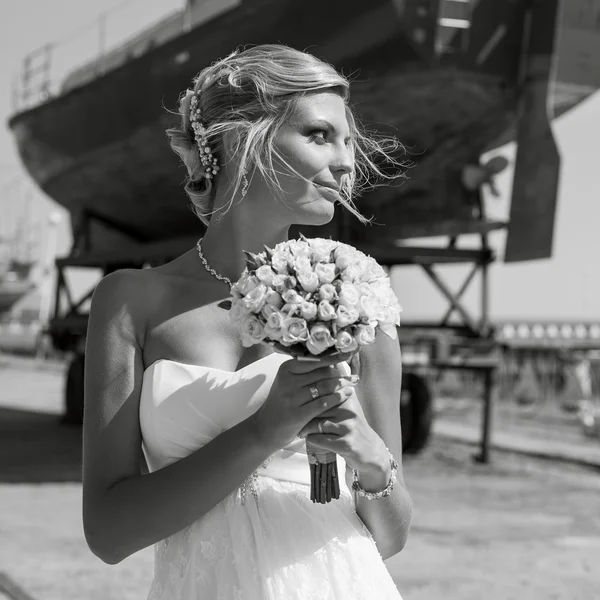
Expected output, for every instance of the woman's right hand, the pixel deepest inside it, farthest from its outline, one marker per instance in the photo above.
(290, 404)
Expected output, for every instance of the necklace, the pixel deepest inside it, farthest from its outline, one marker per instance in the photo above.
(250, 484)
(208, 267)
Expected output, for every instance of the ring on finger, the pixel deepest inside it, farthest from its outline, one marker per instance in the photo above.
(314, 392)
(320, 427)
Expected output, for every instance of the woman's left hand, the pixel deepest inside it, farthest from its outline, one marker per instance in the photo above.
(347, 432)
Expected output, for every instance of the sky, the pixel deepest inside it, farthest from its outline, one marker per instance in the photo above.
(565, 287)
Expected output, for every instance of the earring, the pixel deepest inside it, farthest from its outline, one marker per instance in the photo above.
(244, 183)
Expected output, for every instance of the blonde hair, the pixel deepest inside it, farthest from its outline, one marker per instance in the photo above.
(252, 93)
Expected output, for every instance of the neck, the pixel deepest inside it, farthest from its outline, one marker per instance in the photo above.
(226, 239)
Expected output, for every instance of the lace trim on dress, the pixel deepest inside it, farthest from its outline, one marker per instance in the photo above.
(249, 486)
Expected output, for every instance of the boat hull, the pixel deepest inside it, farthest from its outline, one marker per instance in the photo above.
(101, 149)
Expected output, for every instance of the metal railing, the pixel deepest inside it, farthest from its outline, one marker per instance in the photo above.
(121, 33)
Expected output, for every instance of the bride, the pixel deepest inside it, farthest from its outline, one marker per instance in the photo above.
(269, 141)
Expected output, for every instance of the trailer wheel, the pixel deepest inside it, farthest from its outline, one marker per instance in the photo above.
(74, 391)
(416, 413)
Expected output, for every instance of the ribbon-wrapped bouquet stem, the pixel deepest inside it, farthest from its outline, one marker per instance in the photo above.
(310, 298)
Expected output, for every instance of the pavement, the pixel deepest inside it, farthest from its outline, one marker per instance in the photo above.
(541, 433)
(516, 528)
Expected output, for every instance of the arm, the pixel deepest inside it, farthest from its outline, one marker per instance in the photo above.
(124, 511)
(388, 519)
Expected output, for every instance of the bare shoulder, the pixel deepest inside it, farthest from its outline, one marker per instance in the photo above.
(113, 379)
(126, 290)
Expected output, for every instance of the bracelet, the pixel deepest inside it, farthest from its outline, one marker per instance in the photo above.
(376, 495)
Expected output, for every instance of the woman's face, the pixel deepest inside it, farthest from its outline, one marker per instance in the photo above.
(315, 143)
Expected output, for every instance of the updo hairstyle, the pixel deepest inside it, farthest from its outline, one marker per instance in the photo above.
(252, 93)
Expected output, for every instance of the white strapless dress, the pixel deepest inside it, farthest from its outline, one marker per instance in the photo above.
(280, 546)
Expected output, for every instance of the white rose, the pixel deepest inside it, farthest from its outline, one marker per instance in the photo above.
(274, 298)
(319, 339)
(343, 262)
(238, 312)
(344, 256)
(289, 246)
(325, 272)
(365, 334)
(345, 342)
(273, 325)
(390, 307)
(292, 297)
(351, 273)
(321, 249)
(252, 331)
(309, 281)
(392, 294)
(246, 283)
(265, 274)
(348, 294)
(289, 310)
(267, 310)
(299, 248)
(326, 311)
(294, 330)
(235, 288)
(369, 306)
(371, 270)
(391, 315)
(279, 283)
(279, 263)
(328, 292)
(308, 310)
(381, 290)
(302, 264)
(255, 299)
(364, 289)
(290, 282)
(346, 315)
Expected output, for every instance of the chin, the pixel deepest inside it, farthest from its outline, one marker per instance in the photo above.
(319, 212)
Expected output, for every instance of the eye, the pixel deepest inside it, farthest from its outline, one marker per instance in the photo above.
(319, 135)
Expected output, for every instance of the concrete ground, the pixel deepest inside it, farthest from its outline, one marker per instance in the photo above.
(520, 528)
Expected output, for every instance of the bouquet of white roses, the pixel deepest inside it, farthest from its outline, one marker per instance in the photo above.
(314, 297)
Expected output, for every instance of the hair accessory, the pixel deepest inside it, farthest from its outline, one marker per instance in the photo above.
(209, 162)
(384, 492)
(244, 183)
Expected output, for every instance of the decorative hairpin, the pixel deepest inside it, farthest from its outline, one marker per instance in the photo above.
(209, 162)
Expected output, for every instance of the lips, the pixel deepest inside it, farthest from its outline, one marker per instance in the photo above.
(330, 186)
(329, 192)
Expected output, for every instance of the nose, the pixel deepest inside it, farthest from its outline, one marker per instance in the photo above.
(343, 163)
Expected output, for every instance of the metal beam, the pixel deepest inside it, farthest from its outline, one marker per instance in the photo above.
(460, 292)
(451, 298)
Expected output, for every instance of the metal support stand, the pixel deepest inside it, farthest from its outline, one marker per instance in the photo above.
(469, 333)
(486, 426)
(487, 367)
